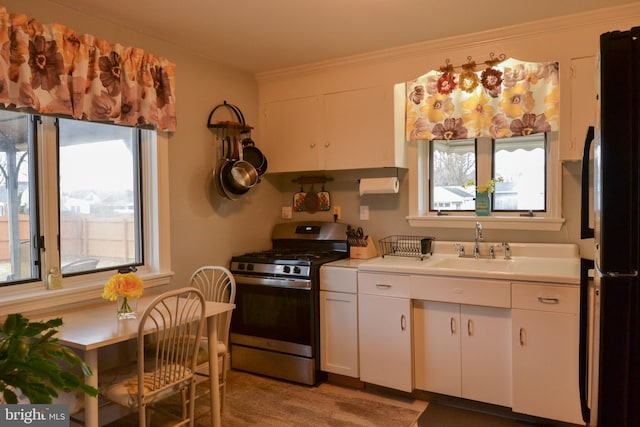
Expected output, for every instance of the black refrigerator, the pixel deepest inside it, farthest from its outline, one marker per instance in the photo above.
(610, 300)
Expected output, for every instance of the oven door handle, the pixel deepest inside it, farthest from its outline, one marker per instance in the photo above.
(303, 284)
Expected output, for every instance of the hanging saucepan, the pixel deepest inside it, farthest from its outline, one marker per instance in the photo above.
(238, 176)
(219, 172)
(250, 152)
(253, 155)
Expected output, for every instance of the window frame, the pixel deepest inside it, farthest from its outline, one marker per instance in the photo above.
(138, 216)
(531, 212)
(420, 215)
(156, 270)
(473, 141)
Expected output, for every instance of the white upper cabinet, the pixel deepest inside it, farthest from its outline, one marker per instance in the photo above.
(582, 102)
(292, 134)
(352, 129)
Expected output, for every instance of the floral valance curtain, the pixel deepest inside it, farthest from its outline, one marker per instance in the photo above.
(512, 98)
(52, 70)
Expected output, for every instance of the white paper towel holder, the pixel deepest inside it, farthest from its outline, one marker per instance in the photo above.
(382, 185)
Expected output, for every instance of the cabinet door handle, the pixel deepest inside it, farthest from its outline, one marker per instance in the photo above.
(452, 325)
(549, 300)
(470, 327)
(382, 286)
(312, 145)
(338, 300)
(403, 322)
(523, 337)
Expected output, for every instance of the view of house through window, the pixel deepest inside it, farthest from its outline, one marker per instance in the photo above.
(99, 196)
(520, 162)
(452, 164)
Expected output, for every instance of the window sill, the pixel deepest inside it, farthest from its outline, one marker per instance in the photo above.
(495, 222)
(38, 299)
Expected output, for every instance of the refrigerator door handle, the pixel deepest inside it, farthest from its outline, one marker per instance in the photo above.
(586, 232)
(583, 347)
(618, 274)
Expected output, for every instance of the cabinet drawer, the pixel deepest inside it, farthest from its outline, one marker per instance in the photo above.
(394, 285)
(560, 299)
(339, 279)
(492, 293)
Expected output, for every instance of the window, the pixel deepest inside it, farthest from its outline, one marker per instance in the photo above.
(72, 197)
(529, 198)
(18, 210)
(453, 163)
(99, 196)
(521, 163)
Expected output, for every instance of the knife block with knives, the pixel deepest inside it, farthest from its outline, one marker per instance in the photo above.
(364, 252)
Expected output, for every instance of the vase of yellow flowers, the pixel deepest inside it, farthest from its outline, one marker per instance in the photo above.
(483, 195)
(125, 288)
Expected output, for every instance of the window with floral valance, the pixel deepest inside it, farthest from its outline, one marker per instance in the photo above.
(508, 98)
(50, 69)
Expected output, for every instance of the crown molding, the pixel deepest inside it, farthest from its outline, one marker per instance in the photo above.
(562, 23)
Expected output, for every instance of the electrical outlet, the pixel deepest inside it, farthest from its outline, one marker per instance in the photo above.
(337, 212)
(287, 212)
(364, 213)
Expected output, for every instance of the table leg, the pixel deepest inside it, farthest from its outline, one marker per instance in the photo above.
(91, 403)
(212, 330)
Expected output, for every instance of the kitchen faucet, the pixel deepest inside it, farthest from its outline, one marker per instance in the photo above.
(478, 230)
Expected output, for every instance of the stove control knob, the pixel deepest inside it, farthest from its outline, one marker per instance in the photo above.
(286, 269)
(249, 267)
(241, 266)
(296, 270)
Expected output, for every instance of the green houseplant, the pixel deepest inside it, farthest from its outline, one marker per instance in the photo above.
(30, 359)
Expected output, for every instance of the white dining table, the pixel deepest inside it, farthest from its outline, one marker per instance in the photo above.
(91, 327)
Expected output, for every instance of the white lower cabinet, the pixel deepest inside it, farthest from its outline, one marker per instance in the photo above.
(508, 344)
(384, 318)
(339, 320)
(545, 351)
(463, 350)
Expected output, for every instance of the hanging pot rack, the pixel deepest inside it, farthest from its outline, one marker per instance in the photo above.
(224, 128)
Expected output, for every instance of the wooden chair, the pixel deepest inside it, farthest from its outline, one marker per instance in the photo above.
(217, 284)
(168, 341)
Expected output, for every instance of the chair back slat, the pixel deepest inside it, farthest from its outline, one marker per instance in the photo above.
(217, 284)
(173, 324)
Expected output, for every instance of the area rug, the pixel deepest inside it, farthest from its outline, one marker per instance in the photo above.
(253, 400)
(439, 415)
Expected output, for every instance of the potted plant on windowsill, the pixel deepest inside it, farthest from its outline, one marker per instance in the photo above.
(30, 357)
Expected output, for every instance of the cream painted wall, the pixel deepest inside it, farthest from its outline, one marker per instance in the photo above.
(205, 229)
(556, 39)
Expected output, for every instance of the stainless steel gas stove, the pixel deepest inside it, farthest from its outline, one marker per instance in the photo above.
(275, 328)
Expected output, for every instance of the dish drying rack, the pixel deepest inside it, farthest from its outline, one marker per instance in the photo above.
(407, 246)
